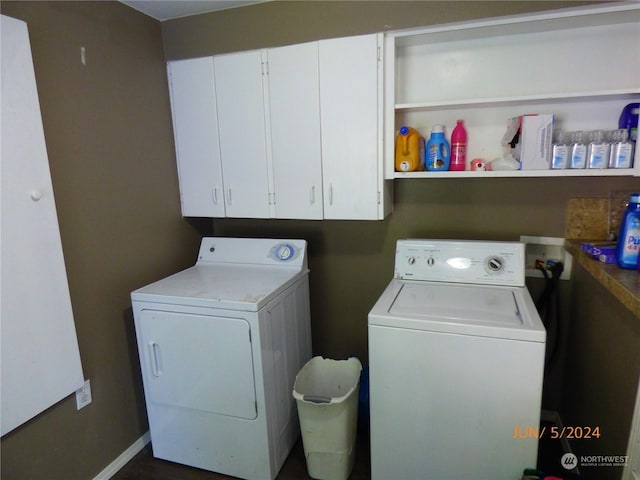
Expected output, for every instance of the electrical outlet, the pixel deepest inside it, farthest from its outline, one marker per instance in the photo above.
(83, 395)
(541, 250)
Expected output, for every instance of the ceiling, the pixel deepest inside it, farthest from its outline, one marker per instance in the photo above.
(168, 9)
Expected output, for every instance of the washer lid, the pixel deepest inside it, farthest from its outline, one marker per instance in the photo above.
(501, 312)
(458, 303)
(234, 287)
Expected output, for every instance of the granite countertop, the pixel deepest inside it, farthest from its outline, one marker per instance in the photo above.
(623, 284)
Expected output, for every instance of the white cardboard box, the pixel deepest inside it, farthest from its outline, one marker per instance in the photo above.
(528, 139)
(535, 142)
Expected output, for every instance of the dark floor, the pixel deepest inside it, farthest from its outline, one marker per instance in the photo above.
(145, 467)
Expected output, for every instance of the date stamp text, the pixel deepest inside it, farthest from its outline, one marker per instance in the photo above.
(556, 432)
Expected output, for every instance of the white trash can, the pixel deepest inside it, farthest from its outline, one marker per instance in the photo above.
(326, 393)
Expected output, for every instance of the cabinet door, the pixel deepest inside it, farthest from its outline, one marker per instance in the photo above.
(294, 112)
(243, 135)
(350, 126)
(195, 127)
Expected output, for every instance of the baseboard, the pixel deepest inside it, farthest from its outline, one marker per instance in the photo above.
(124, 458)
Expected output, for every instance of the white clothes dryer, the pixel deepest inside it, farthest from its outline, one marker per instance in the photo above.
(220, 344)
(456, 359)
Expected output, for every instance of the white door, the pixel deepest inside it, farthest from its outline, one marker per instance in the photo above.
(40, 356)
(243, 134)
(349, 104)
(195, 126)
(294, 107)
(200, 362)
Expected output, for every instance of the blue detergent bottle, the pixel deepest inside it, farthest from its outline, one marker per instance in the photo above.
(437, 154)
(629, 238)
(629, 120)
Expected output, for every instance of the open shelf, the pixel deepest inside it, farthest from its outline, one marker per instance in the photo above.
(610, 172)
(541, 99)
(579, 64)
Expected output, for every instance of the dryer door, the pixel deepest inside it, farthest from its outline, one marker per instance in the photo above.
(200, 362)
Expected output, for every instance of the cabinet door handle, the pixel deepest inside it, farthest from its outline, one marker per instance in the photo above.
(156, 359)
(312, 195)
(214, 192)
(229, 195)
(330, 194)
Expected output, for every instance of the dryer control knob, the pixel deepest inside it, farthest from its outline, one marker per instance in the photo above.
(284, 252)
(430, 261)
(411, 260)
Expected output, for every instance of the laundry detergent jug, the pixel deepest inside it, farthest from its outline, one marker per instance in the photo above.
(409, 150)
(437, 154)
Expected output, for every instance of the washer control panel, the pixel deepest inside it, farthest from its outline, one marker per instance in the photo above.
(461, 261)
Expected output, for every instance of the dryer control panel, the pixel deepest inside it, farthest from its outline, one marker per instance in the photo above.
(461, 261)
(254, 251)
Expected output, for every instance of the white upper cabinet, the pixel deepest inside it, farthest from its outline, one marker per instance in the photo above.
(240, 99)
(294, 114)
(350, 105)
(195, 126)
(580, 64)
(288, 132)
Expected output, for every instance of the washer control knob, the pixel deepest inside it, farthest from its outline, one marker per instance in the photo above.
(411, 260)
(430, 261)
(495, 264)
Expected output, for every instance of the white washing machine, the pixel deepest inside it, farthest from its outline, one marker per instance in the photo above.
(220, 344)
(456, 358)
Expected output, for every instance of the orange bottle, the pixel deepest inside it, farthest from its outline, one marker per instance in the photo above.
(409, 150)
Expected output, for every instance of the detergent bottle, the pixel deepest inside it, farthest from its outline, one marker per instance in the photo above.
(629, 120)
(458, 147)
(629, 238)
(437, 154)
(409, 150)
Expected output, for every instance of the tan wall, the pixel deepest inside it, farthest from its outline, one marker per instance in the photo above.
(109, 141)
(108, 133)
(351, 262)
(285, 22)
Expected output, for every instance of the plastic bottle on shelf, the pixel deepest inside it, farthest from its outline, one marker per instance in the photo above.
(409, 150)
(560, 151)
(458, 147)
(437, 153)
(578, 151)
(629, 120)
(597, 150)
(621, 155)
(629, 238)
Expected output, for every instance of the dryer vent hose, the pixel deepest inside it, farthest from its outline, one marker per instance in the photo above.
(548, 305)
